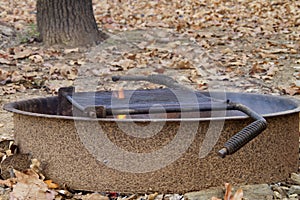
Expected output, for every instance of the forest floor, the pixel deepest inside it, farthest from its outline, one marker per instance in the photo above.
(250, 46)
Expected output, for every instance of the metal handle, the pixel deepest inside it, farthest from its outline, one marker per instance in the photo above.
(246, 134)
(243, 137)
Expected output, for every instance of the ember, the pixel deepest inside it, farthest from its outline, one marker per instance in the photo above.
(121, 95)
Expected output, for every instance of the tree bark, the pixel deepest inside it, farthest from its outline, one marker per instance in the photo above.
(67, 22)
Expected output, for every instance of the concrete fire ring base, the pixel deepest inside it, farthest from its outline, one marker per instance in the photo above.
(270, 157)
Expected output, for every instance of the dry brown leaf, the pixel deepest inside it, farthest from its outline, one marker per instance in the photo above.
(268, 55)
(3, 74)
(291, 91)
(131, 56)
(36, 167)
(51, 184)
(152, 196)
(36, 58)
(228, 188)
(256, 68)
(81, 61)
(275, 51)
(228, 193)
(20, 88)
(54, 69)
(94, 196)
(8, 90)
(5, 61)
(204, 44)
(69, 72)
(236, 63)
(266, 78)
(22, 54)
(31, 74)
(272, 71)
(238, 195)
(8, 182)
(183, 64)
(227, 51)
(125, 64)
(29, 186)
(16, 77)
(74, 50)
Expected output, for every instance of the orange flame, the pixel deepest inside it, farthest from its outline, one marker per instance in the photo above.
(121, 95)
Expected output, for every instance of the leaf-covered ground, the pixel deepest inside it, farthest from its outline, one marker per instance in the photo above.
(245, 45)
(250, 46)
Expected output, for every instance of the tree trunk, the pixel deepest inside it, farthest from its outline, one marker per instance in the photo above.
(67, 22)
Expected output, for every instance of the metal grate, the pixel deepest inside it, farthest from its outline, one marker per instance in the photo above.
(105, 103)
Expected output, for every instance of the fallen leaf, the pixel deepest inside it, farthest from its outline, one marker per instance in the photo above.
(268, 55)
(228, 193)
(23, 54)
(66, 71)
(124, 63)
(238, 195)
(130, 56)
(54, 69)
(94, 196)
(51, 185)
(152, 196)
(267, 78)
(8, 90)
(236, 63)
(36, 167)
(36, 58)
(20, 88)
(3, 74)
(183, 64)
(275, 51)
(8, 182)
(228, 188)
(74, 50)
(227, 51)
(31, 187)
(291, 91)
(16, 77)
(5, 61)
(272, 71)
(256, 68)
(204, 44)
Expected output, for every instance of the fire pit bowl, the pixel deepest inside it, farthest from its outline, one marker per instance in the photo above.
(107, 153)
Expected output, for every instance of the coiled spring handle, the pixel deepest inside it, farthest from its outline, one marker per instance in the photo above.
(246, 134)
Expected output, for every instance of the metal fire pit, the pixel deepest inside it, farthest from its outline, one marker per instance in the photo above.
(259, 136)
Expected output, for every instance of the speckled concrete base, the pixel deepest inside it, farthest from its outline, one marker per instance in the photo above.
(55, 142)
